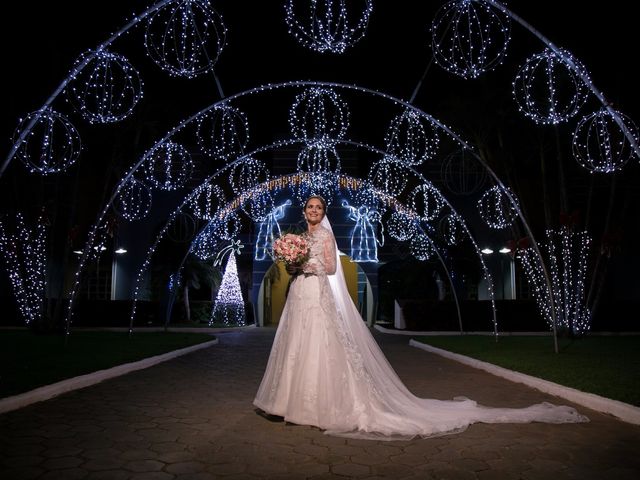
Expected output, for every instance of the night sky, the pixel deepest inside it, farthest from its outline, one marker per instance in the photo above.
(41, 40)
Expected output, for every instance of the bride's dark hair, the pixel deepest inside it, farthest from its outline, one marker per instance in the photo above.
(318, 197)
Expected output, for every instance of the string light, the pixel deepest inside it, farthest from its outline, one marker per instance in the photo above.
(52, 144)
(426, 201)
(185, 37)
(364, 240)
(470, 37)
(168, 166)
(599, 143)
(25, 259)
(549, 87)
(325, 25)
(229, 305)
(268, 231)
(247, 174)
(133, 201)
(567, 253)
(222, 132)
(388, 176)
(319, 116)
(401, 226)
(107, 89)
(207, 199)
(408, 141)
(421, 247)
(205, 244)
(451, 229)
(496, 207)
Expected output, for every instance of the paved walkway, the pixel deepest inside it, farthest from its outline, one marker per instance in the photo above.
(192, 418)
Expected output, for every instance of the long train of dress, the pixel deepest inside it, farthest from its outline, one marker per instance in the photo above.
(326, 370)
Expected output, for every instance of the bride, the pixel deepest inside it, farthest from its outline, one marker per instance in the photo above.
(326, 369)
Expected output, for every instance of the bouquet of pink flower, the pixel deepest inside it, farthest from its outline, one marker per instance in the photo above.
(292, 249)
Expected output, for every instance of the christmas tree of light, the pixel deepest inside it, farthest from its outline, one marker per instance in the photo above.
(229, 306)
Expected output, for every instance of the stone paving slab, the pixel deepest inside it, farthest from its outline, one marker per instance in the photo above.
(192, 418)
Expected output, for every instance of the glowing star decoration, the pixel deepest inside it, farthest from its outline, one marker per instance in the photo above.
(133, 201)
(326, 25)
(52, 145)
(168, 166)
(319, 116)
(268, 231)
(567, 254)
(364, 239)
(247, 174)
(401, 226)
(388, 176)
(207, 200)
(426, 201)
(229, 305)
(421, 247)
(549, 88)
(409, 140)
(185, 37)
(24, 253)
(107, 89)
(470, 37)
(600, 144)
(222, 132)
(496, 208)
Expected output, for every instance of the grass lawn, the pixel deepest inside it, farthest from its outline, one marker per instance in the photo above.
(608, 366)
(28, 361)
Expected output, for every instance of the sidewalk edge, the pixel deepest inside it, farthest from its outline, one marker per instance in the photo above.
(49, 391)
(623, 411)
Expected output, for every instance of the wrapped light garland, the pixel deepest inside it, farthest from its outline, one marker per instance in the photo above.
(168, 166)
(496, 208)
(601, 145)
(319, 116)
(222, 132)
(409, 140)
(52, 144)
(470, 37)
(326, 25)
(107, 89)
(185, 37)
(426, 200)
(133, 201)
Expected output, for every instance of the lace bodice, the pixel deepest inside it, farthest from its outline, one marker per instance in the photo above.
(322, 255)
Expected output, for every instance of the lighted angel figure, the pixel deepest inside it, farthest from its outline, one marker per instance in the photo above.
(269, 231)
(364, 241)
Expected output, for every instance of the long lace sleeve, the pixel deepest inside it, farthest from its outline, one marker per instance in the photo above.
(329, 247)
(323, 254)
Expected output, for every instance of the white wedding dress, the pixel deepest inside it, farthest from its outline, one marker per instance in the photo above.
(326, 369)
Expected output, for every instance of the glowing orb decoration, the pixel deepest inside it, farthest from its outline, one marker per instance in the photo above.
(401, 226)
(51, 145)
(258, 205)
(451, 229)
(411, 139)
(426, 201)
(182, 228)
(207, 200)
(548, 89)
(319, 160)
(185, 37)
(421, 247)
(600, 144)
(227, 228)
(247, 174)
(205, 244)
(470, 37)
(326, 25)
(223, 132)
(168, 166)
(496, 209)
(463, 174)
(107, 89)
(319, 116)
(133, 201)
(388, 176)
